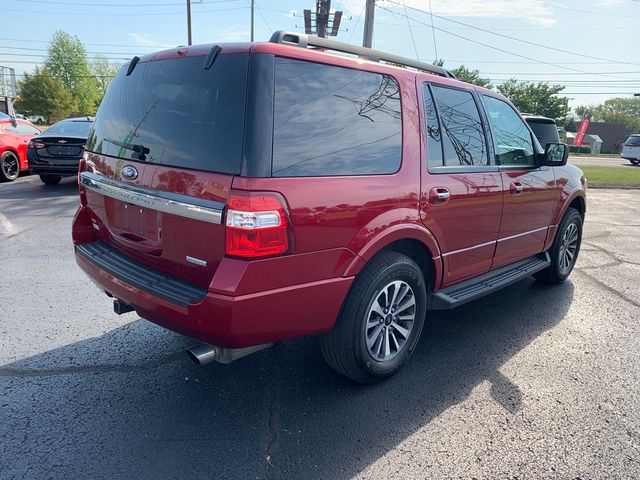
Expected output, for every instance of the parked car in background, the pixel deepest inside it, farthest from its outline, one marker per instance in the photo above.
(14, 136)
(56, 152)
(545, 129)
(631, 149)
(37, 119)
(243, 194)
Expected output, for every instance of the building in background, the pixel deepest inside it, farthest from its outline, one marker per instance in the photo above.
(7, 87)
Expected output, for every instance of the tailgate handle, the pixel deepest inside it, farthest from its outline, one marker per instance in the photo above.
(135, 242)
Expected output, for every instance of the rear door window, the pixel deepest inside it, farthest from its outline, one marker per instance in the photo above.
(174, 112)
(334, 121)
(463, 136)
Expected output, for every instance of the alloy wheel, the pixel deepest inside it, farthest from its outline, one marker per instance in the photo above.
(390, 320)
(568, 248)
(10, 166)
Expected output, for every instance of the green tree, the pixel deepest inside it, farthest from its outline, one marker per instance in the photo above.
(43, 94)
(467, 75)
(104, 73)
(539, 98)
(615, 110)
(67, 59)
(471, 76)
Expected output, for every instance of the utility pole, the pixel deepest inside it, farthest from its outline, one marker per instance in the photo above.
(367, 38)
(253, 4)
(327, 24)
(188, 22)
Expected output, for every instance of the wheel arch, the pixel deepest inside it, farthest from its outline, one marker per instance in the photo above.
(415, 241)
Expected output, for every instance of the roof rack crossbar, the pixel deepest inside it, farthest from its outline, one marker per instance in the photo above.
(305, 41)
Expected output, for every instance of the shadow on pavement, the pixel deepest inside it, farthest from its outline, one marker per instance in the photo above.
(129, 404)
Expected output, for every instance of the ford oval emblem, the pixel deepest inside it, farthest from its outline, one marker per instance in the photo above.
(129, 173)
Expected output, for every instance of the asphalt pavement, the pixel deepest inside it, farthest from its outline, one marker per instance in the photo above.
(531, 382)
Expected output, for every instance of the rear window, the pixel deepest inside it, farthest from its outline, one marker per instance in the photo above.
(74, 128)
(174, 112)
(545, 132)
(633, 140)
(334, 121)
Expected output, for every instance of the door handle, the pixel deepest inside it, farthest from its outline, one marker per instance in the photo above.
(516, 188)
(439, 196)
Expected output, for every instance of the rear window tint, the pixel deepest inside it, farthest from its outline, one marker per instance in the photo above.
(334, 121)
(184, 115)
(545, 132)
(78, 128)
(462, 131)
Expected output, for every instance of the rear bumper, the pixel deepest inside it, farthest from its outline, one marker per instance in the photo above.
(67, 169)
(231, 321)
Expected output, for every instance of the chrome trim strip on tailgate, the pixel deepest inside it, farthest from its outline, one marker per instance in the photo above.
(173, 203)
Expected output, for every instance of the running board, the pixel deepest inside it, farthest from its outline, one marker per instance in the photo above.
(494, 280)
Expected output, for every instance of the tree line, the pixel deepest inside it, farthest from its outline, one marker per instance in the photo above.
(543, 98)
(68, 83)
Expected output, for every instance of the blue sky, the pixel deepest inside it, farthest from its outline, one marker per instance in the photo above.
(601, 37)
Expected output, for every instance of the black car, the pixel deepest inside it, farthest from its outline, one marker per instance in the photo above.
(545, 129)
(56, 152)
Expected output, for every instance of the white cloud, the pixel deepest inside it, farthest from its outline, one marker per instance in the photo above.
(533, 11)
(145, 40)
(234, 33)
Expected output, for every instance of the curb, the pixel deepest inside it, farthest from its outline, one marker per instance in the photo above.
(612, 186)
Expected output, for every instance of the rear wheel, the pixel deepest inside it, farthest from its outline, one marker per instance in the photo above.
(635, 161)
(565, 249)
(9, 167)
(50, 179)
(380, 322)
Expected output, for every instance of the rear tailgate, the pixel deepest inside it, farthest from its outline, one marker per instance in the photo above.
(165, 146)
(167, 219)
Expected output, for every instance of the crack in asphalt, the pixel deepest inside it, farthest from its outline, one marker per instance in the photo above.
(610, 289)
(89, 369)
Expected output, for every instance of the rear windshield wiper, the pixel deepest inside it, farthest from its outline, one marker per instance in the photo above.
(137, 148)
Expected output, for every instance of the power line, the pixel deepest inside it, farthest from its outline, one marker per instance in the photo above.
(357, 22)
(413, 40)
(119, 5)
(33, 12)
(433, 32)
(583, 55)
(498, 49)
(263, 17)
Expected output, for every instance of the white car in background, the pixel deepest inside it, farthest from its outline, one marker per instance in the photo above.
(37, 119)
(631, 149)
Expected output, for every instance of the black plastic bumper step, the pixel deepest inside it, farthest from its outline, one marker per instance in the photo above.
(140, 276)
(489, 282)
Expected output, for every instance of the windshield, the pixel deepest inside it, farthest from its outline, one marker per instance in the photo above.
(73, 128)
(545, 132)
(633, 140)
(174, 112)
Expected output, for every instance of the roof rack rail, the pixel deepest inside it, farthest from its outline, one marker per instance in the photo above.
(305, 41)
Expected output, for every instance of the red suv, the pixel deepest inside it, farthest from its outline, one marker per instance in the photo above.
(243, 194)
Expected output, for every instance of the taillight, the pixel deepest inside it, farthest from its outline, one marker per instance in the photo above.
(35, 144)
(82, 167)
(256, 225)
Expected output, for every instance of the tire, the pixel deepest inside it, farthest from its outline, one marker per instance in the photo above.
(635, 161)
(357, 345)
(50, 179)
(568, 239)
(39, 122)
(9, 167)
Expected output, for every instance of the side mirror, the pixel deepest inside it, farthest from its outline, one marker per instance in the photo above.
(555, 155)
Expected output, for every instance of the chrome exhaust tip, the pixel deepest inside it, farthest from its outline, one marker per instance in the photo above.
(205, 353)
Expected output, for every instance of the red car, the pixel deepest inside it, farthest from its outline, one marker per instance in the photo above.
(13, 146)
(243, 194)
